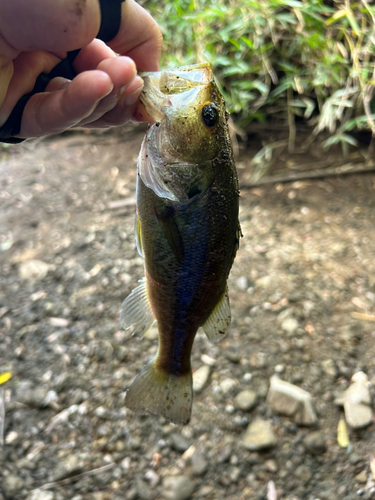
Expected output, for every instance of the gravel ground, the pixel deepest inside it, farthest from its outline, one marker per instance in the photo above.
(302, 292)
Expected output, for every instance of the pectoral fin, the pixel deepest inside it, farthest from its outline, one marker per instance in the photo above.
(217, 324)
(171, 232)
(136, 310)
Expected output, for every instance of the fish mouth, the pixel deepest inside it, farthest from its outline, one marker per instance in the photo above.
(165, 88)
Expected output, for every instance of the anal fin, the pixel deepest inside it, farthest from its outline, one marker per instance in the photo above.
(216, 326)
(136, 310)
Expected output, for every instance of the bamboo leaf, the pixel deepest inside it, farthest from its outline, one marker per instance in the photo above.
(342, 434)
(4, 377)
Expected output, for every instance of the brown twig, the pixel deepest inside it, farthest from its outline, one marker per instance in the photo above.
(68, 480)
(2, 416)
(348, 168)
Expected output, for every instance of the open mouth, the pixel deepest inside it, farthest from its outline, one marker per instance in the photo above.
(165, 88)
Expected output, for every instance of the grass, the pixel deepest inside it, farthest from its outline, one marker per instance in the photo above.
(281, 59)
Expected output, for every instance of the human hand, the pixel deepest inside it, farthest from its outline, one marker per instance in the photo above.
(104, 93)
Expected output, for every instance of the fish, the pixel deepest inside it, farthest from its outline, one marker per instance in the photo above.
(187, 229)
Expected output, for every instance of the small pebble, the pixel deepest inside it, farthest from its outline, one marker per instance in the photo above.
(32, 396)
(177, 488)
(34, 270)
(259, 435)
(279, 368)
(288, 399)
(245, 400)
(200, 378)
(67, 467)
(179, 442)
(315, 443)
(303, 473)
(198, 462)
(227, 385)
(12, 486)
(361, 477)
(242, 283)
(290, 325)
(41, 495)
(11, 437)
(143, 490)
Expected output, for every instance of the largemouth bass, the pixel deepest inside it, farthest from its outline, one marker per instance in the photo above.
(187, 230)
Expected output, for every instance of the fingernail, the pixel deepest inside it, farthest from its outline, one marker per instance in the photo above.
(135, 89)
(109, 91)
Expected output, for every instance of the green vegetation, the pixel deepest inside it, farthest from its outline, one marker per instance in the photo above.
(281, 59)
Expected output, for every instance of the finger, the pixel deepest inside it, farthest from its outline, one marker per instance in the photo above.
(7, 54)
(122, 72)
(6, 73)
(139, 37)
(53, 112)
(27, 67)
(141, 115)
(54, 26)
(124, 109)
(58, 83)
(92, 55)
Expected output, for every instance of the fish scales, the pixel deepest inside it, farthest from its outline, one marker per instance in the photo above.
(188, 233)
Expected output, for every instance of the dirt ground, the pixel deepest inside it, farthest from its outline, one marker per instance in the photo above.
(307, 255)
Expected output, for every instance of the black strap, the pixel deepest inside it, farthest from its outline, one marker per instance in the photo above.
(110, 24)
(110, 11)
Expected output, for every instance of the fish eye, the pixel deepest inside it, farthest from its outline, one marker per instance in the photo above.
(210, 115)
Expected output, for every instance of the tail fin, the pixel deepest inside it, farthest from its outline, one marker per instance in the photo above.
(156, 392)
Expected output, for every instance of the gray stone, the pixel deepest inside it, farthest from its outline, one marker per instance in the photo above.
(200, 378)
(242, 283)
(34, 270)
(355, 459)
(177, 488)
(198, 462)
(68, 466)
(290, 325)
(31, 396)
(288, 399)
(264, 281)
(227, 385)
(12, 484)
(245, 400)
(179, 443)
(143, 490)
(233, 356)
(259, 435)
(361, 477)
(152, 333)
(303, 473)
(315, 443)
(41, 495)
(152, 478)
(357, 402)
(286, 313)
(98, 495)
(329, 368)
